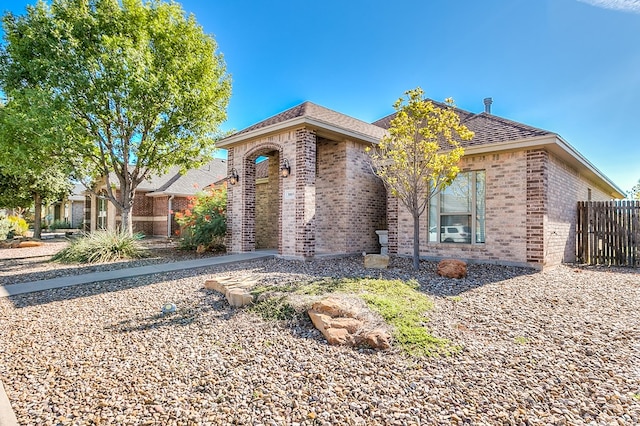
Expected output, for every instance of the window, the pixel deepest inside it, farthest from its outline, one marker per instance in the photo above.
(456, 215)
(102, 212)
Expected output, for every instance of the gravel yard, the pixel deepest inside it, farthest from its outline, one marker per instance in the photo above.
(559, 347)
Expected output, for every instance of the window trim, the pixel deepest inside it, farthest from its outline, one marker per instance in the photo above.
(473, 214)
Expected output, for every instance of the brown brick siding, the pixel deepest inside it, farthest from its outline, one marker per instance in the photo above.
(160, 205)
(232, 207)
(331, 193)
(267, 208)
(323, 208)
(505, 222)
(241, 198)
(351, 200)
(537, 182)
(565, 188)
(305, 198)
(366, 202)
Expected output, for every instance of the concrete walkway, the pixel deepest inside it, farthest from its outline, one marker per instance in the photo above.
(7, 416)
(30, 287)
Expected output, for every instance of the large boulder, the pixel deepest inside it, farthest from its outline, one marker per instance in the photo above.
(345, 322)
(452, 268)
(376, 261)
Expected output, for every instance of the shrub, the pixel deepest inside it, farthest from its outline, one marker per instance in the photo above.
(102, 246)
(59, 224)
(11, 226)
(5, 227)
(204, 222)
(19, 225)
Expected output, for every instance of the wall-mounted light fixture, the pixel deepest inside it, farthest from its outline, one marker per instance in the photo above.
(233, 177)
(285, 170)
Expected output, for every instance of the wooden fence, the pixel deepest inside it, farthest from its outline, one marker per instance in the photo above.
(608, 233)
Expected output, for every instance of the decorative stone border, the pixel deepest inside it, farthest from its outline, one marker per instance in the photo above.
(236, 290)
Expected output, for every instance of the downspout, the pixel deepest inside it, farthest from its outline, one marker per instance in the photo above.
(169, 209)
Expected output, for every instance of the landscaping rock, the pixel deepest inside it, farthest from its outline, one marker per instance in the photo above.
(376, 261)
(452, 268)
(560, 346)
(377, 338)
(338, 321)
(236, 290)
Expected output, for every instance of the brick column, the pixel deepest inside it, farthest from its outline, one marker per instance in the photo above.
(248, 185)
(305, 175)
(537, 181)
(228, 238)
(392, 222)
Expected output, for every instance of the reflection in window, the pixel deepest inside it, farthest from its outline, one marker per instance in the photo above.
(102, 212)
(457, 214)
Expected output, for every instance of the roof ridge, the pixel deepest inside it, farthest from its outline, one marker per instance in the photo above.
(505, 121)
(439, 104)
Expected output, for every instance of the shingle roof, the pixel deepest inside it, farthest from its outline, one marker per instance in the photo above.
(320, 114)
(262, 169)
(195, 180)
(174, 183)
(487, 128)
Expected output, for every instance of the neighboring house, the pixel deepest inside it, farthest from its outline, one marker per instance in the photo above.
(514, 201)
(69, 210)
(156, 200)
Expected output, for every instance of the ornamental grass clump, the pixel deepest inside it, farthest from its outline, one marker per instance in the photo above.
(101, 247)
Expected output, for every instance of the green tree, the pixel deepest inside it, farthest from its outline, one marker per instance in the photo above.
(635, 192)
(419, 156)
(34, 159)
(142, 81)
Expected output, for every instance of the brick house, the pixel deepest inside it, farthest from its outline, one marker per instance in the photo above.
(69, 210)
(514, 201)
(156, 200)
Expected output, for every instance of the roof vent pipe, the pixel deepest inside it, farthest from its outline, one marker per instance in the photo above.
(487, 105)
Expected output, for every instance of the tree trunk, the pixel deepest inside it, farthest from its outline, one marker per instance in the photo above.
(416, 241)
(37, 220)
(127, 219)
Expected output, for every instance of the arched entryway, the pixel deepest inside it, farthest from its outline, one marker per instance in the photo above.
(262, 199)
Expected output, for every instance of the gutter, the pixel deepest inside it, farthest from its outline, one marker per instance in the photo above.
(557, 145)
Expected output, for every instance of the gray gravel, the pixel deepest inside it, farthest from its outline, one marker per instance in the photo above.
(18, 265)
(559, 347)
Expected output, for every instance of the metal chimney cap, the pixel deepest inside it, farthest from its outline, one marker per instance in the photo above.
(487, 105)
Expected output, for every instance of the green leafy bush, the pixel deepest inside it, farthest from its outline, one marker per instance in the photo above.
(59, 224)
(204, 222)
(102, 246)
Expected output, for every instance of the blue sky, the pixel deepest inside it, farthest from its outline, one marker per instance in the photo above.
(568, 66)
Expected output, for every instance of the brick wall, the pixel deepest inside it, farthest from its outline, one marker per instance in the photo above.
(536, 202)
(365, 204)
(241, 198)
(331, 193)
(305, 195)
(267, 208)
(351, 200)
(331, 202)
(565, 188)
(160, 215)
(505, 222)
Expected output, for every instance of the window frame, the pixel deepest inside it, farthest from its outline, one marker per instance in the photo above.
(478, 211)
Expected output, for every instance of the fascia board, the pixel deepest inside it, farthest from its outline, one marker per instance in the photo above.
(293, 123)
(555, 144)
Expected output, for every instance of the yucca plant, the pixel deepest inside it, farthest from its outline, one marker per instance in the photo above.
(102, 246)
